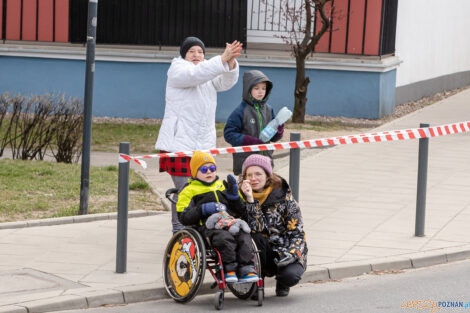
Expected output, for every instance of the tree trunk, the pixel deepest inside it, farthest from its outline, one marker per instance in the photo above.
(300, 93)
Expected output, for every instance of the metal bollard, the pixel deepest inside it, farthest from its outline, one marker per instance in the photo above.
(123, 200)
(294, 167)
(422, 182)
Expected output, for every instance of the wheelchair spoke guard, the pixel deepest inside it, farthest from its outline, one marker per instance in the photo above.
(184, 264)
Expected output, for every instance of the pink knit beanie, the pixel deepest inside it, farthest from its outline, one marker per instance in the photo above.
(259, 160)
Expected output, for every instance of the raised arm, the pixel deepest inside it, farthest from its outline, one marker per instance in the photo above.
(184, 74)
(227, 80)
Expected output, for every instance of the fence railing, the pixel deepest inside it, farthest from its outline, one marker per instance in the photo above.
(357, 26)
(162, 22)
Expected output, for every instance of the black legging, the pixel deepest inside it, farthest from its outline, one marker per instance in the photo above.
(288, 276)
(235, 251)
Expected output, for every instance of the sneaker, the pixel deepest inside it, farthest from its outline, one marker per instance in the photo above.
(231, 277)
(281, 290)
(249, 278)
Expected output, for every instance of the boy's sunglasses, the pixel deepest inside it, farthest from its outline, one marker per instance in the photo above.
(211, 168)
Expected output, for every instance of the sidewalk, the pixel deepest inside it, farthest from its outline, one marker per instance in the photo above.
(358, 204)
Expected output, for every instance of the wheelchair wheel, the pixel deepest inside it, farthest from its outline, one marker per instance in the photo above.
(260, 296)
(184, 265)
(246, 290)
(219, 300)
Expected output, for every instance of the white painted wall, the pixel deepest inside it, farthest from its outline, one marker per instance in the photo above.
(433, 39)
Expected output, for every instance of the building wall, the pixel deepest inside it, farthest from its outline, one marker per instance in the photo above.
(358, 26)
(432, 41)
(137, 89)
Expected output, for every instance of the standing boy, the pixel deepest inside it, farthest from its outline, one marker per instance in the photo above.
(246, 122)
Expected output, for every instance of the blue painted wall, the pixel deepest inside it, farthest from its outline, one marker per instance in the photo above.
(138, 89)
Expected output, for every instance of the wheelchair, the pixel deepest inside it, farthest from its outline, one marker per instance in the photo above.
(186, 258)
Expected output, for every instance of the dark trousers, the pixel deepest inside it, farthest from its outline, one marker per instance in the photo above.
(288, 276)
(235, 251)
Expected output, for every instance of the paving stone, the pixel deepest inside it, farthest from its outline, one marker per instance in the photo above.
(56, 304)
(453, 256)
(101, 216)
(138, 213)
(56, 221)
(141, 293)
(34, 223)
(428, 259)
(13, 309)
(102, 297)
(315, 273)
(10, 225)
(338, 271)
(29, 280)
(391, 264)
(84, 218)
(112, 216)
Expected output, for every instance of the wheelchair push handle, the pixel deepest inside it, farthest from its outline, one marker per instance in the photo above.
(169, 193)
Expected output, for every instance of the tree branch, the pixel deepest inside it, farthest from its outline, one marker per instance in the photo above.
(320, 4)
(308, 23)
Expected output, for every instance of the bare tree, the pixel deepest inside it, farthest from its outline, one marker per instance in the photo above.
(302, 37)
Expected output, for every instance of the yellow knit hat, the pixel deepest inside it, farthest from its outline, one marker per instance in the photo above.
(199, 159)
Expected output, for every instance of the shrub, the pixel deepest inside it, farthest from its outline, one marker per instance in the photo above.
(68, 139)
(4, 131)
(32, 125)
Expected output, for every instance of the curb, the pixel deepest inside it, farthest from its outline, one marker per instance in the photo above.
(89, 298)
(74, 219)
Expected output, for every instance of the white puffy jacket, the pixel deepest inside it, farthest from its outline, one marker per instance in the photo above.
(191, 101)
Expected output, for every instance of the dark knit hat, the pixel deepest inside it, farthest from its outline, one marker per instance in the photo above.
(259, 160)
(189, 42)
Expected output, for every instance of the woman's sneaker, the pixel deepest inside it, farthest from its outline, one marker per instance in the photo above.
(231, 277)
(249, 278)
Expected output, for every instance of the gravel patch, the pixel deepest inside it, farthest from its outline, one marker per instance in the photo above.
(400, 110)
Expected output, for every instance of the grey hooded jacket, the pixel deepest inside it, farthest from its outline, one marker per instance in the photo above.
(249, 118)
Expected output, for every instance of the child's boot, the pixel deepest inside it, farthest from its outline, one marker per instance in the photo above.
(231, 277)
(248, 274)
(249, 278)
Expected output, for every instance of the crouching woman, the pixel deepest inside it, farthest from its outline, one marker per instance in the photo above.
(276, 223)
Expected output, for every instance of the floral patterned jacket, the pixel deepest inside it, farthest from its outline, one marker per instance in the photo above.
(280, 220)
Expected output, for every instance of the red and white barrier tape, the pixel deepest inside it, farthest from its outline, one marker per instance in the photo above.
(394, 135)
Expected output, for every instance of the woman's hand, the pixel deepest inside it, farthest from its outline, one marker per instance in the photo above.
(246, 189)
(232, 51)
